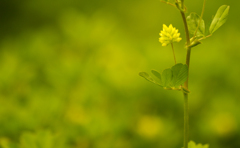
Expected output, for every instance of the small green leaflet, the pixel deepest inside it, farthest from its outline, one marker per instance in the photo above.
(148, 78)
(219, 19)
(193, 21)
(158, 75)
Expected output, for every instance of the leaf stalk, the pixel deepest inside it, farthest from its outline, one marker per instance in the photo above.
(174, 54)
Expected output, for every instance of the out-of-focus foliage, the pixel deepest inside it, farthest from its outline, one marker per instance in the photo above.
(69, 76)
(192, 144)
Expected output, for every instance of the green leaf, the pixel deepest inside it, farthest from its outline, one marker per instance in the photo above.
(192, 144)
(180, 74)
(193, 21)
(158, 75)
(167, 77)
(219, 19)
(148, 78)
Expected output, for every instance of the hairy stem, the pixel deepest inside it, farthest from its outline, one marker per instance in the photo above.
(174, 54)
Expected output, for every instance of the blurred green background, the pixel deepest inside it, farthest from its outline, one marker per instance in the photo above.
(69, 76)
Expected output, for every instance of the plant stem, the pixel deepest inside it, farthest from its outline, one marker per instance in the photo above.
(182, 4)
(174, 54)
(186, 121)
(185, 27)
(182, 10)
(186, 125)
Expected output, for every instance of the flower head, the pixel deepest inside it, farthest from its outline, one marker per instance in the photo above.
(169, 35)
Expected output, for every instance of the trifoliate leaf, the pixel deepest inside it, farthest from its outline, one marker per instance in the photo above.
(158, 75)
(180, 74)
(171, 78)
(219, 19)
(193, 21)
(167, 77)
(148, 78)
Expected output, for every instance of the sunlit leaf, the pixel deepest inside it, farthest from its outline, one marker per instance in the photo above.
(219, 19)
(167, 77)
(180, 74)
(193, 21)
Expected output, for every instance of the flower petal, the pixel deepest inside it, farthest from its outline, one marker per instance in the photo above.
(169, 35)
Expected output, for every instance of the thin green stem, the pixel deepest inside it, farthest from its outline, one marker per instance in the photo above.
(185, 27)
(186, 125)
(188, 43)
(205, 37)
(186, 114)
(204, 3)
(186, 122)
(174, 54)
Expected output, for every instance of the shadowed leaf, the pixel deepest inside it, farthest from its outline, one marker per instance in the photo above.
(193, 21)
(158, 75)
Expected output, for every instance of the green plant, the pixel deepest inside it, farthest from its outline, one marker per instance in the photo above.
(176, 77)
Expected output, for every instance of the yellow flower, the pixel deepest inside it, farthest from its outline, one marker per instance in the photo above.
(169, 35)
